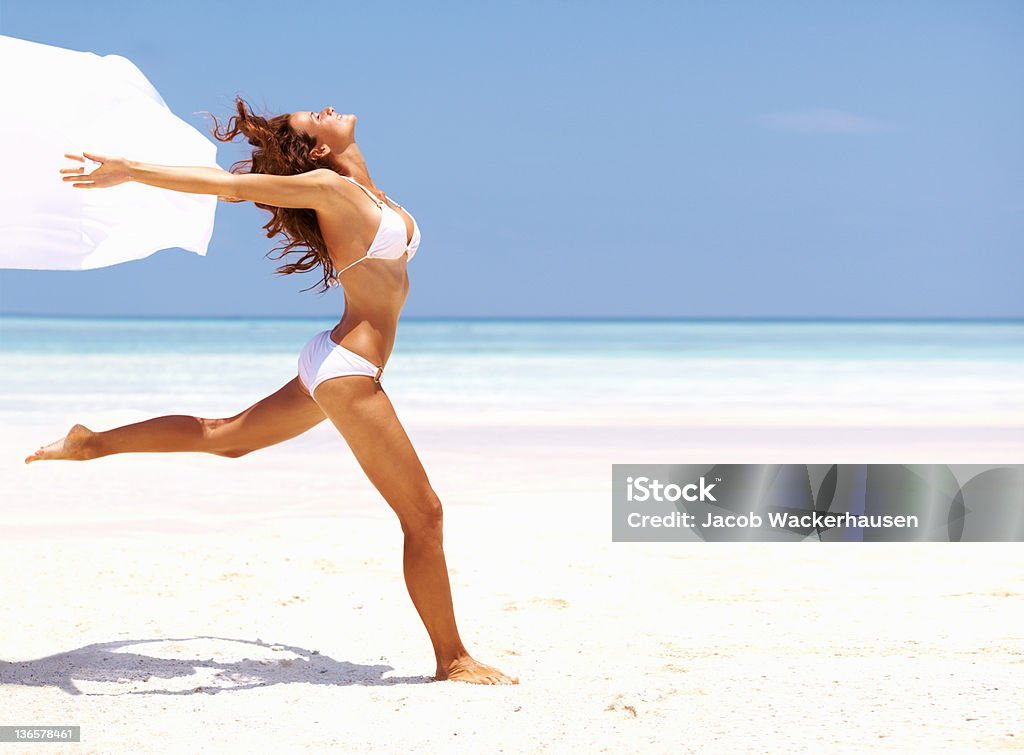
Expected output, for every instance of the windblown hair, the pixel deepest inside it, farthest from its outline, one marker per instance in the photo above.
(279, 150)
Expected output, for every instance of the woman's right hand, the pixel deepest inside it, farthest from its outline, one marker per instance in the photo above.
(111, 172)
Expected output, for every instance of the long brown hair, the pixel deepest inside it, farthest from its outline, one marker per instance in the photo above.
(280, 150)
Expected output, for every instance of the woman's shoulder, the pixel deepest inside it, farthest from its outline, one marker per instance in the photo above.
(337, 182)
(344, 203)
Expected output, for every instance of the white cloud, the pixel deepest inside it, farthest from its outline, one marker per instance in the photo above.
(822, 122)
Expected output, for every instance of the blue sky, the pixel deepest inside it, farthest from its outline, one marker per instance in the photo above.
(727, 159)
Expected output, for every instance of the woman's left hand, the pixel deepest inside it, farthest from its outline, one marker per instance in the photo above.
(111, 172)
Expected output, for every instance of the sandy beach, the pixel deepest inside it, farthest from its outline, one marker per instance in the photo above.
(191, 603)
(197, 604)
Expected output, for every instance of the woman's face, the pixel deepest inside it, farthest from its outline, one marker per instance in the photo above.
(334, 130)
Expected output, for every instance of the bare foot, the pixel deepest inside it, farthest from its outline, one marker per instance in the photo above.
(465, 669)
(73, 446)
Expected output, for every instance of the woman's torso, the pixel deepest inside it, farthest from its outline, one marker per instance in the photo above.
(376, 288)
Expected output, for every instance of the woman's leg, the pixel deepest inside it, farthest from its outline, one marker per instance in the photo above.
(280, 416)
(365, 417)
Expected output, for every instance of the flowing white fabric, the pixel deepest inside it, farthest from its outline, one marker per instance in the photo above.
(54, 101)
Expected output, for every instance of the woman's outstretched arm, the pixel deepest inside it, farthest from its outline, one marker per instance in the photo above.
(311, 190)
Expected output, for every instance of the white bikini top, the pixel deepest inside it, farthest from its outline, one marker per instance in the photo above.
(390, 241)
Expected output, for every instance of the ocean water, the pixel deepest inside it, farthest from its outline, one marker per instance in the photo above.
(537, 372)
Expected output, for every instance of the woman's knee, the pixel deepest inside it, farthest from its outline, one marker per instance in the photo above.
(425, 518)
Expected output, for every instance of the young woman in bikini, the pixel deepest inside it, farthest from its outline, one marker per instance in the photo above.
(307, 170)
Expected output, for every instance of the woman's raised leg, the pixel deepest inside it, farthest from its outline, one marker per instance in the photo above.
(280, 416)
(365, 417)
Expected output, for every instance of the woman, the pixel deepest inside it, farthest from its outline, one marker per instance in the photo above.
(307, 170)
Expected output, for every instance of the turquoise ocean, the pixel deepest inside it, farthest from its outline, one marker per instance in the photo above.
(536, 372)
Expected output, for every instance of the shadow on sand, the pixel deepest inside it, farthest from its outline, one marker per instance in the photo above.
(108, 662)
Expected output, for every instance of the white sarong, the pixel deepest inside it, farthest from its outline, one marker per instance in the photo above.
(54, 101)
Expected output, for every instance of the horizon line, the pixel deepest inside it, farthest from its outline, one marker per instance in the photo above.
(526, 318)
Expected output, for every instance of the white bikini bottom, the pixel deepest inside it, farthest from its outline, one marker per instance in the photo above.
(322, 359)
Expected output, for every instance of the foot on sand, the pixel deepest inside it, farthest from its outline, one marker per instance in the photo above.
(74, 446)
(465, 669)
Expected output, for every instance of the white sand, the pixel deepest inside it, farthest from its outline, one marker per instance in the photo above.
(195, 604)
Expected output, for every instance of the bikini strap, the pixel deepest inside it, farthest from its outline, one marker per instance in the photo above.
(368, 192)
(371, 194)
(337, 275)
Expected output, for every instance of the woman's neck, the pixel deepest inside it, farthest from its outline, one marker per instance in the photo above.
(351, 163)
